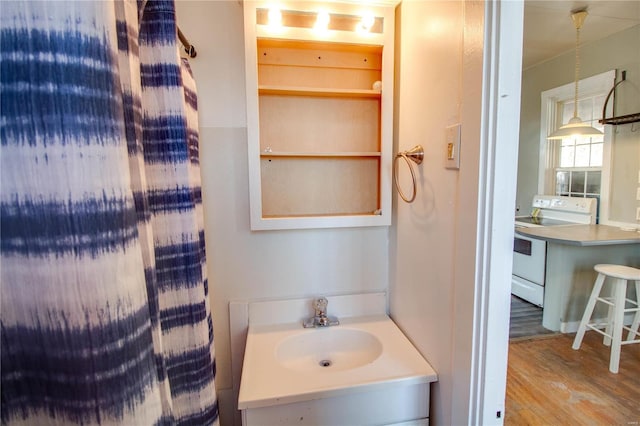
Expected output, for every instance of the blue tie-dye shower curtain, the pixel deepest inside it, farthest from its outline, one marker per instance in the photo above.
(105, 312)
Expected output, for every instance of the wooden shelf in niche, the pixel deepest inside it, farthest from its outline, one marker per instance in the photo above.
(314, 91)
(330, 66)
(320, 154)
(319, 124)
(294, 186)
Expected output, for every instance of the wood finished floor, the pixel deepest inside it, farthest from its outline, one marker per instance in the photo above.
(548, 383)
(526, 319)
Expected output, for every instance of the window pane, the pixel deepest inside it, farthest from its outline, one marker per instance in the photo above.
(596, 155)
(593, 182)
(562, 183)
(567, 154)
(598, 101)
(582, 140)
(585, 109)
(567, 112)
(582, 155)
(577, 182)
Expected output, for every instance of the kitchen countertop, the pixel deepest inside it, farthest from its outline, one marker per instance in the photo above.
(582, 235)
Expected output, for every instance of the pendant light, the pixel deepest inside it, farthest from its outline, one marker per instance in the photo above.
(576, 127)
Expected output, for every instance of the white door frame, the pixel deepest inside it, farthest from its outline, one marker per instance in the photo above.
(497, 188)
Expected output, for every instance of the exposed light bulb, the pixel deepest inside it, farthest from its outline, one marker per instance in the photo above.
(322, 21)
(275, 18)
(367, 21)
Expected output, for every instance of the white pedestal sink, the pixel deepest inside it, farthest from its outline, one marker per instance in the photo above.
(363, 371)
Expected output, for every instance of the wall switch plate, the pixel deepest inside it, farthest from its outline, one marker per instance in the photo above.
(638, 193)
(452, 146)
(637, 213)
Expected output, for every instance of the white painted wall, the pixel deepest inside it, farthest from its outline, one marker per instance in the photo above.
(451, 249)
(428, 77)
(432, 285)
(245, 265)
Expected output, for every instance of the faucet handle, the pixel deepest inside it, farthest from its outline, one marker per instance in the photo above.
(320, 305)
(320, 319)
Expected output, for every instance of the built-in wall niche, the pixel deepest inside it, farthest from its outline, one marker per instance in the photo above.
(319, 114)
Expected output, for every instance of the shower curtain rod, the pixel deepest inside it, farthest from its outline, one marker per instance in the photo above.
(188, 47)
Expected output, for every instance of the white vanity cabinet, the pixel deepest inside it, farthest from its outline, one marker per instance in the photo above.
(319, 80)
(401, 406)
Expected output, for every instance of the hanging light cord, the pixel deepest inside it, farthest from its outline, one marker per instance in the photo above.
(577, 72)
(575, 126)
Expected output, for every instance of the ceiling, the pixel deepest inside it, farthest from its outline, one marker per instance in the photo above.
(549, 30)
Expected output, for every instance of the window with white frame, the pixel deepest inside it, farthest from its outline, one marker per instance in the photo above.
(575, 167)
(579, 165)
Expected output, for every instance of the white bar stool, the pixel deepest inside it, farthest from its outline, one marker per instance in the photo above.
(615, 318)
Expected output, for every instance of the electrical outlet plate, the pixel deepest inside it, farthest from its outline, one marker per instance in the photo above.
(452, 146)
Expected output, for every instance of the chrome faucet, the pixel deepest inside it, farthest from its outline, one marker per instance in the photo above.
(320, 319)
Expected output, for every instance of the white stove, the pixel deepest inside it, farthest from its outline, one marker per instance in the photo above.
(529, 254)
(551, 210)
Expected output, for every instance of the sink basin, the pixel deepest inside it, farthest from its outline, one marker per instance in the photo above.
(330, 349)
(286, 363)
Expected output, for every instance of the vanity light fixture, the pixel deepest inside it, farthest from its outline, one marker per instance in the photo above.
(322, 21)
(576, 127)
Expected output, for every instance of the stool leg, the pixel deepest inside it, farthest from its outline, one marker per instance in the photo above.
(609, 327)
(618, 318)
(588, 311)
(636, 319)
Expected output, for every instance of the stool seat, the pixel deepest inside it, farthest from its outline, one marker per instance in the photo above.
(618, 271)
(617, 303)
